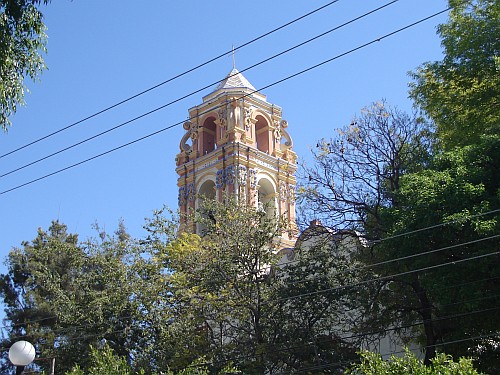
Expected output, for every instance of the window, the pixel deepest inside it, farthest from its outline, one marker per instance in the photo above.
(208, 136)
(267, 198)
(262, 134)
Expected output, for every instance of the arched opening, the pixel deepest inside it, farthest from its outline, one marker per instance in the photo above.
(262, 134)
(206, 191)
(266, 199)
(208, 136)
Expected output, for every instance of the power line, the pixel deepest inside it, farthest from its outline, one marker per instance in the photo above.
(368, 333)
(414, 255)
(268, 268)
(197, 91)
(61, 331)
(454, 221)
(351, 336)
(329, 289)
(343, 363)
(353, 269)
(434, 226)
(172, 78)
(358, 335)
(417, 254)
(350, 285)
(389, 277)
(262, 88)
(346, 271)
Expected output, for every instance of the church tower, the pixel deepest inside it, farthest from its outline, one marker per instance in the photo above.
(236, 142)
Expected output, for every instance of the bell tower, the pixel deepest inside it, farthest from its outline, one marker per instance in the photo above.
(237, 142)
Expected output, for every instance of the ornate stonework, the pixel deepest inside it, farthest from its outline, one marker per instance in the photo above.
(240, 142)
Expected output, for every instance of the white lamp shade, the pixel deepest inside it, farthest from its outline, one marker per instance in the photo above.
(21, 353)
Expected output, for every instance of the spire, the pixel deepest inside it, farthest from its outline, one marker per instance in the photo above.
(234, 80)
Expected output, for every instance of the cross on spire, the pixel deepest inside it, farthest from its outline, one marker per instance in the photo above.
(234, 60)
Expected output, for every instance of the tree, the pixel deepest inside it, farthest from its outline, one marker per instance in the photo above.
(460, 93)
(352, 186)
(64, 295)
(318, 319)
(233, 301)
(356, 173)
(459, 194)
(435, 285)
(220, 285)
(104, 362)
(372, 364)
(22, 44)
(380, 181)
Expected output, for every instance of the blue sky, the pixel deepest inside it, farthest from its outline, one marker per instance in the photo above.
(101, 52)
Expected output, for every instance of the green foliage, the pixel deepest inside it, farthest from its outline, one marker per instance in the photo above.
(164, 303)
(316, 324)
(373, 364)
(461, 189)
(220, 284)
(387, 181)
(460, 93)
(22, 43)
(63, 295)
(201, 367)
(103, 362)
(233, 303)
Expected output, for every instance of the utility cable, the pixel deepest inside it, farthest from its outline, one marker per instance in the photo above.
(358, 268)
(196, 91)
(246, 95)
(347, 362)
(342, 286)
(344, 363)
(172, 78)
(11, 326)
(349, 270)
(454, 221)
(360, 335)
(351, 336)
(290, 262)
(367, 266)
(354, 285)
(433, 226)
(389, 277)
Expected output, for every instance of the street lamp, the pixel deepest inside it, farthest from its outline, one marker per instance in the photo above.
(22, 353)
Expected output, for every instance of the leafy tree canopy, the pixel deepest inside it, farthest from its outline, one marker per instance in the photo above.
(460, 93)
(104, 362)
(220, 284)
(373, 364)
(22, 44)
(64, 295)
(233, 300)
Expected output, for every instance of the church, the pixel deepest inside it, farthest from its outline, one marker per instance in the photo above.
(236, 142)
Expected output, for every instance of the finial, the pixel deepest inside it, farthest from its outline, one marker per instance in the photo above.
(234, 60)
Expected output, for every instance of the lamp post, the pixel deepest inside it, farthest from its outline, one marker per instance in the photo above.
(22, 353)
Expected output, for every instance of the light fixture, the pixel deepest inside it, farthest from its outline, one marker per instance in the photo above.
(22, 353)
